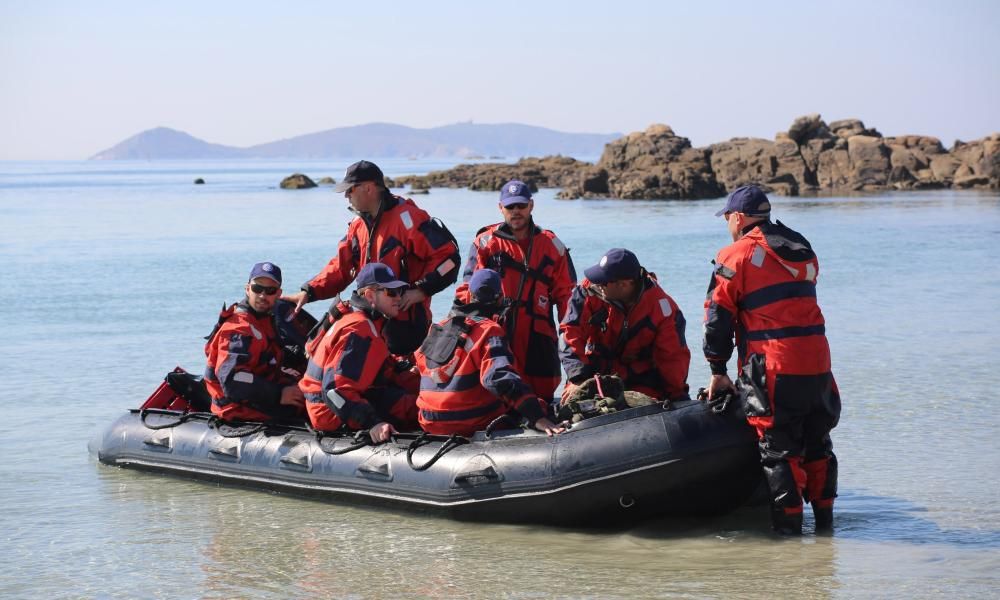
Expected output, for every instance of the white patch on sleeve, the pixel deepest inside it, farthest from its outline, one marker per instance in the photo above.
(372, 325)
(256, 333)
(811, 272)
(758, 256)
(243, 377)
(792, 270)
(665, 307)
(406, 219)
(560, 247)
(446, 266)
(485, 240)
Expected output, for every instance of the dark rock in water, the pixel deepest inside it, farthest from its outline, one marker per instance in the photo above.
(326, 181)
(390, 183)
(419, 191)
(199, 181)
(297, 181)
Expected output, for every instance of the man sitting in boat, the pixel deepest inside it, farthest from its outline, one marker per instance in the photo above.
(621, 322)
(352, 379)
(467, 373)
(243, 374)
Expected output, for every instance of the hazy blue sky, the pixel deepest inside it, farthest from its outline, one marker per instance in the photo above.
(78, 77)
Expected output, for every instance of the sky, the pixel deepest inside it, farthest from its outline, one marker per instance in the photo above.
(79, 77)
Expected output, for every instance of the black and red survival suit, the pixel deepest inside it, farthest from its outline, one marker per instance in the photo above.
(537, 276)
(763, 295)
(243, 372)
(645, 345)
(352, 379)
(419, 250)
(468, 377)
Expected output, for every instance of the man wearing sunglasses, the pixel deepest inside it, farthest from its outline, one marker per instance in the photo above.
(537, 275)
(352, 379)
(243, 373)
(396, 232)
(621, 322)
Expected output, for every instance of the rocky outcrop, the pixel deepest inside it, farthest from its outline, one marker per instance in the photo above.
(326, 181)
(552, 171)
(297, 181)
(811, 156)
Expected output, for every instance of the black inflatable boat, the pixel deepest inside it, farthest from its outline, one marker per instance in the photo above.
(637, 463)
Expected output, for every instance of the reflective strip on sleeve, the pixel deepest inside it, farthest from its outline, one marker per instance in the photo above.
(811, 272)
(758, 256)
(665, 307)
(406, 219)
(256, 333)
(560, 247)
(446, 266)
(243, 377)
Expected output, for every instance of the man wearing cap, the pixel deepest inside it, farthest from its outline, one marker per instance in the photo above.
(763, 295)
(394, 231)
(537, 274)
(467, 372)
(621, 322)
(243, 372)
(352, 379)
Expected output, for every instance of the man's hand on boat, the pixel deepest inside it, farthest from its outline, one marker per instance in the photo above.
(299, 298)
(380, 432)
(549, 427)
(720, 383)
(568, 390)
(292, 396)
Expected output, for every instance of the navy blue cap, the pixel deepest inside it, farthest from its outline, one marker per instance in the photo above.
(360, 172)
(749, 200)
(266, 269)
(378, 275)
(616, 264)
(513, 192)
(485, 285)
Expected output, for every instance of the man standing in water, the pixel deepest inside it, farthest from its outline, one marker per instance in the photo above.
(395, 232)
(763, 295)
(537, 274)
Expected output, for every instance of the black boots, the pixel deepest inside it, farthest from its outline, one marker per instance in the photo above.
(824, 519)
(784, 523)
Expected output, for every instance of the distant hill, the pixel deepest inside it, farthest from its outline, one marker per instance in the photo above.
(508, 140)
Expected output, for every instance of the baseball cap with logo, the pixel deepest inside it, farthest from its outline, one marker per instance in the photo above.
(485, 285)
(749, 200)
(378, 275)
(514, 192)
(616, 264)
(360, 172)
(267, 270)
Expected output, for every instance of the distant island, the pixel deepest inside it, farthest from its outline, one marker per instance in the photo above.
(377, 140)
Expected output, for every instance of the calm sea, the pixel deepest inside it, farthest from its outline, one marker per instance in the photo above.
(112, 273)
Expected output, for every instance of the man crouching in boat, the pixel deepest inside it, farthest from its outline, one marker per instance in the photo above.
(467, 373)
(352, 378)
(621, 322)
(243, 374)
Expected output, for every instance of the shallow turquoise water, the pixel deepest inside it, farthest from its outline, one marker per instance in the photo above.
(113, 272)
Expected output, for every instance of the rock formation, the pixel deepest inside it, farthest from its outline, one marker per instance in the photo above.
(811, 156)
(297, 181)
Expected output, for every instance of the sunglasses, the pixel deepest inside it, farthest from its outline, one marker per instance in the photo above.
(267, 290)
(517, 206)
(391, 292)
